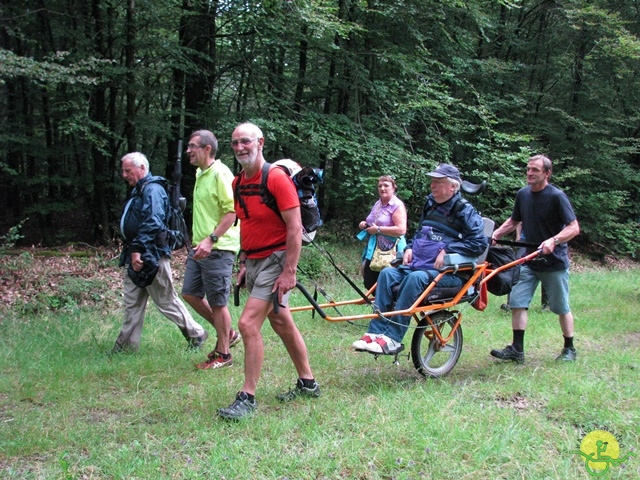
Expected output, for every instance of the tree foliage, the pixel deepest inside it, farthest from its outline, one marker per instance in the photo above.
(359, 88)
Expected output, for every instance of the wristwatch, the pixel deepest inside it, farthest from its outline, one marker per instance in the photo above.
(214, 238)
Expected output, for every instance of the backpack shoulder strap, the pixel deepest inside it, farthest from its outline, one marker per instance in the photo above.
(458, 206)
(237, 197)
(264, 189)
(267, 197)
(261, 189)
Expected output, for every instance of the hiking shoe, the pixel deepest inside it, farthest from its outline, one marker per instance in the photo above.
(215, 360)
(384, 345)
(234, 338)
(509, 353)
(239, 409)
(567, 355)
(299, 391)
(194, 343)
(362, 343)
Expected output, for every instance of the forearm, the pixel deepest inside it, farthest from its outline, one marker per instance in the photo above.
(567, 233)
(294, 247)
(294, 239)
(225, 223)
(507, 227)
(391, 231)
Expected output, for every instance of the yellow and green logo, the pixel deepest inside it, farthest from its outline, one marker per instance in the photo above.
(600, 450)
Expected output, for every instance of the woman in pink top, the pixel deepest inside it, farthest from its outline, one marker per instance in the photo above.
(386, 222)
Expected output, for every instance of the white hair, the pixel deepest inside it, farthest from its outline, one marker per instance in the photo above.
(455, 183)
(252, 126)
(138, 159)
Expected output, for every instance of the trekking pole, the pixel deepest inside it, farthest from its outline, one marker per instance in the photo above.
(177, 200)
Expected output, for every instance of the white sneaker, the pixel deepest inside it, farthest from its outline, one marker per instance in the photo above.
(364, 340)
(383, 345)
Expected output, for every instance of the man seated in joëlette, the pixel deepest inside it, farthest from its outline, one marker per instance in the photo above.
(448, 225)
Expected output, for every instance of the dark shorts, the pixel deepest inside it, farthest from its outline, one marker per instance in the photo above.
(210, 277)
(262, 274)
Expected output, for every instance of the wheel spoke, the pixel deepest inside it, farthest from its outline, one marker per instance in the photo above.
(449, 348)
(430, 353)
(430, 357)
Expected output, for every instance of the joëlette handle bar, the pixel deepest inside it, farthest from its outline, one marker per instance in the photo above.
(276, 305)
(515, 263)
(311, 300)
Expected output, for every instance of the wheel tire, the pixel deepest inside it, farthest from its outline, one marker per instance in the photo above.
(428, 358)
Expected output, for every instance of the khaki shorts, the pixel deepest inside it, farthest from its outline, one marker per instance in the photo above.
(262, 274)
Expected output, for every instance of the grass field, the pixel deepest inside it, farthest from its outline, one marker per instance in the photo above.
(68, 411)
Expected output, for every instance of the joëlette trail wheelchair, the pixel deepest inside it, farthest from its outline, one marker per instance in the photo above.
(437, 339)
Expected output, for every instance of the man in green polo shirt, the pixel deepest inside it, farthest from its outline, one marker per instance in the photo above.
(216, 242)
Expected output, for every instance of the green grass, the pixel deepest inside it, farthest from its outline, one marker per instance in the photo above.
(68, 411)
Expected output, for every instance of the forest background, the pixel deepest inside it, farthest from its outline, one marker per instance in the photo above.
(358, 88)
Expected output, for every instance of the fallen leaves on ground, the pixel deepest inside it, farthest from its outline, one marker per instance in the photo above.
(36, 279)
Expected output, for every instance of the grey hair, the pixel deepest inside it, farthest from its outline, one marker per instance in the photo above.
(547, 165)
(138, 159)
(207, 138)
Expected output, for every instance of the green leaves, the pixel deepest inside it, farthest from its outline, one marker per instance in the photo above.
(49, 71)
(357, 88)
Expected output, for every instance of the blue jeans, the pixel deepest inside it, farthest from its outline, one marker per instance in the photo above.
(412, 284)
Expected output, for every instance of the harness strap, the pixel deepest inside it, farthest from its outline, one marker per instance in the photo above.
(237, 197)
(255, 189)
(262, 249)
(448, 221)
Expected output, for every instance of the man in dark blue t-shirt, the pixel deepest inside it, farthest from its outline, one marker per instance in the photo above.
(547, 220)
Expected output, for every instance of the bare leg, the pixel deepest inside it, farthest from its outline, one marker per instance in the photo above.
(566, 324)
(285, 327)
(519, 318)
(219, 317)
(250, 325)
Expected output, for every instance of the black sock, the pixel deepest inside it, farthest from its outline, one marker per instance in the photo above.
(250, 397)
(518, 340)
(568, 342)
(307, 382)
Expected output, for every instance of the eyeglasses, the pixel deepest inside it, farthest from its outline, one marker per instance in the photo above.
(193, 146)
(243, 141)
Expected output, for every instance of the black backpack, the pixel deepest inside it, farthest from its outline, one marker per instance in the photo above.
(503, 282)
(177, 225)
(176, 234)
(304, 178)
